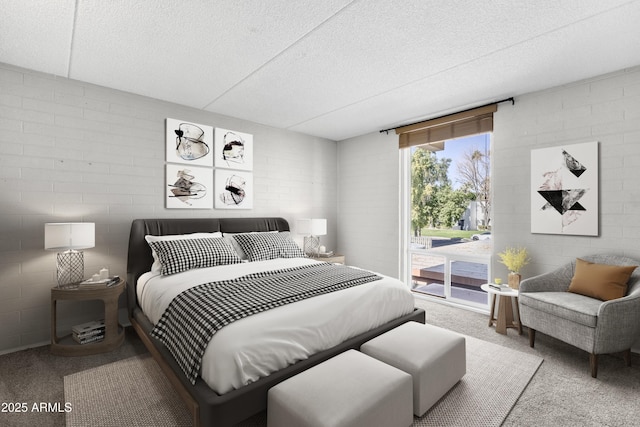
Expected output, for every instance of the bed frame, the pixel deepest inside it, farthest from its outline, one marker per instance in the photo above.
(208, 408)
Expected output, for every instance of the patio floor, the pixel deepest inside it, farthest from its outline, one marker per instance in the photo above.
(427, 271)
(436, 289)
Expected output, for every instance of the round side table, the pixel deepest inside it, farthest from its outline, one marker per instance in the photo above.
(113, 334)
(504, 318)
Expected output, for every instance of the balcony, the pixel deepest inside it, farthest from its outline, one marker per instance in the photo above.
(453, 272)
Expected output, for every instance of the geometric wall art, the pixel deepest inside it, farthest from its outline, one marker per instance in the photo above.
(189, 187)
(189, 143)
(564, 190)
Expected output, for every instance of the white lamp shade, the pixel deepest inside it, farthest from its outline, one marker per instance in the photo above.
(312, 226)
(69, 235)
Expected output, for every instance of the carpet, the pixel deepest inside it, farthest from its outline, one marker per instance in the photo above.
(134, 392)
(129, 392)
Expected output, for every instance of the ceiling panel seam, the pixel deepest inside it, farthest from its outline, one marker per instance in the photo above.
(274, 57)
(71, 42)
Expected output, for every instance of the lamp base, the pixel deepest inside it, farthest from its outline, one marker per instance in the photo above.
(312, 245)
(70, 267)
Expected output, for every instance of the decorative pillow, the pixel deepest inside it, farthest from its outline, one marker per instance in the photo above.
(181, 255)
(236, 245)
(263, 246)
(156, 267)
(602, 281)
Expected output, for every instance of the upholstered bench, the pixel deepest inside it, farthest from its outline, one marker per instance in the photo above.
(435, 358)
(348, 390)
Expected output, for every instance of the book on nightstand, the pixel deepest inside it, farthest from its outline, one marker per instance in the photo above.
(89, 332)
(89, 339)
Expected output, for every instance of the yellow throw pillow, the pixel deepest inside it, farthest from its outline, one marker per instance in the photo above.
(602, 281)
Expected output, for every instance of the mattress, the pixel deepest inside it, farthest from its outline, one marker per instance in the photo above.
(259, 345)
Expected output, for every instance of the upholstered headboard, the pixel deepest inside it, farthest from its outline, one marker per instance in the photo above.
(139, 259)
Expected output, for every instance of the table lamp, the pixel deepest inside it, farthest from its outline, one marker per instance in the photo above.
(312, 228)
(67, 238)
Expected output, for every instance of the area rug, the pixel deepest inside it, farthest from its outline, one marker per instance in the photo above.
(496, 377)
(130, 392)
(134, 392)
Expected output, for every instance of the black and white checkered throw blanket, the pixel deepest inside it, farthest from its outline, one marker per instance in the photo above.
(195, 315)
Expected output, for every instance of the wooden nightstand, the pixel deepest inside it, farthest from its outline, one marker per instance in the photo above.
(336, 259)
(114, 333)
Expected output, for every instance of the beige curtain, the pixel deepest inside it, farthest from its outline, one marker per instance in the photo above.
(464, 123)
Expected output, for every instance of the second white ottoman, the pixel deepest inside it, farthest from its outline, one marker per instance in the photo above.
(435, 358)
(348, 390)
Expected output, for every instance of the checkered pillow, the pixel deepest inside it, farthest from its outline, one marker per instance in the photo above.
(156, 267)
(181, 255)
(263, 246)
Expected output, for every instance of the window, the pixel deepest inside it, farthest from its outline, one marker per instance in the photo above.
(447, 219)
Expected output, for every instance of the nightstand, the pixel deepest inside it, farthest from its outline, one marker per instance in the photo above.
(114, 333)
(336, 259)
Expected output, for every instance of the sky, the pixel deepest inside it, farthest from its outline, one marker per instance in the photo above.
(455, 148)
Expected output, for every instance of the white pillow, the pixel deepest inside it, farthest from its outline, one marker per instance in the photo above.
(156, 267)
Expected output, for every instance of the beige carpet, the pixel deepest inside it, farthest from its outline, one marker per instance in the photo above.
(134, 392)
(130, 392)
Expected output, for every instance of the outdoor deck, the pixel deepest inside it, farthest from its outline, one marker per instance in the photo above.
(466, 274)
(427, 271)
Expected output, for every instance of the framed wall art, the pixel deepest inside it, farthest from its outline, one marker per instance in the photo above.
(189, 187)
(233, 150)
(189, 143)
(564, 190)
(233, 189)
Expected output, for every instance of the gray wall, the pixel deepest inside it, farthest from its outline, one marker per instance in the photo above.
(604, 109)
(369, 202)
(71, 151)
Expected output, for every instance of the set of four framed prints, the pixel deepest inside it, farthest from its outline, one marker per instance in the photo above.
(207, 167)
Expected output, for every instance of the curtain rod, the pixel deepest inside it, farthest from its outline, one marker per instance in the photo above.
(513, 102)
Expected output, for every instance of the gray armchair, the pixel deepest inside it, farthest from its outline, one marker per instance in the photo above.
(597, 327)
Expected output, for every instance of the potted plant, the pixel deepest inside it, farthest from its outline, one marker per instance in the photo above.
(514, 259)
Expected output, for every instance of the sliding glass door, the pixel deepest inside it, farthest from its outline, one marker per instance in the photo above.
(447, 219)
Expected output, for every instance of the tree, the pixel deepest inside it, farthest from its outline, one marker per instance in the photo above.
(433, 201)
(474, 168)
(451, 205)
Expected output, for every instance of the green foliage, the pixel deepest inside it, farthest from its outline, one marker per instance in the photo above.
(434, 202)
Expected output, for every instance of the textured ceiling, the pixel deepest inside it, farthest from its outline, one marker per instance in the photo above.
(332, 68)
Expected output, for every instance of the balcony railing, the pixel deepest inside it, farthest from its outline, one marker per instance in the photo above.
(452, 272)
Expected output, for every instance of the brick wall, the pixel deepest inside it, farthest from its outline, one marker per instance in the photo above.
(369, 202)
(604, 109)
(71, 151)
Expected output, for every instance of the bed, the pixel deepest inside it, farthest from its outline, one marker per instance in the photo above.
(233, 401)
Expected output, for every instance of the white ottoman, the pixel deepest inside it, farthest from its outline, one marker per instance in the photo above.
(348, 390)
(435, 358)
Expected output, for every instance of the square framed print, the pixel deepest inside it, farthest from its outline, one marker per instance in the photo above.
(564, 190)
(189, 143)
(233, 150)
(189, 187)
(234, 189)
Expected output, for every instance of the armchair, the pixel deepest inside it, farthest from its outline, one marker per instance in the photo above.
(592, 325)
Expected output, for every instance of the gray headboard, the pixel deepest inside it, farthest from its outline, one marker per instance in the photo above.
(139, 259)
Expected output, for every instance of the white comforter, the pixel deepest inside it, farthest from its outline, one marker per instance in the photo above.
(257, 346)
